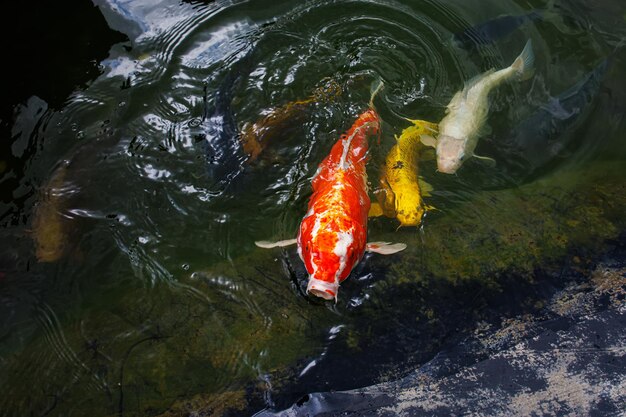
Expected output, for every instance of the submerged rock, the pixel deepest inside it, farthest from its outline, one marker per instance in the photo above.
(567, 360)
(189, 343)
(467, 298)
(517, 230)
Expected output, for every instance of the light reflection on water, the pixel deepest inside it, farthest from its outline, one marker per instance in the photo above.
(160, 284)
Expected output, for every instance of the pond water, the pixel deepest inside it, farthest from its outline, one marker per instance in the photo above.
(130, 283)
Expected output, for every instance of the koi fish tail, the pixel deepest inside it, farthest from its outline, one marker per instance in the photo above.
(376, 87)
(524, 63)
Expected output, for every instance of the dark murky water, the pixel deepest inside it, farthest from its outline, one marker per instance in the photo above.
(129, 280)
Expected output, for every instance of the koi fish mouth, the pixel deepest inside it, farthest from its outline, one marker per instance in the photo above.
(448, 165)
(322, 289)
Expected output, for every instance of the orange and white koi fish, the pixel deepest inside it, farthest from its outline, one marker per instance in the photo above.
(333, 233)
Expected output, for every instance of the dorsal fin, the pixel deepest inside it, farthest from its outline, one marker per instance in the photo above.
(456, 100)
(471, 83)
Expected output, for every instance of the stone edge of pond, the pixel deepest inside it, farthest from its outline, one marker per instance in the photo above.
(569, 359)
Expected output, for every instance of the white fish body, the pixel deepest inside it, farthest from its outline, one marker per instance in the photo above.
(467, 112)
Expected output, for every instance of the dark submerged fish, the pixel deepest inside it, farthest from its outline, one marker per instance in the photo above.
(49, 227)
(224, 141)
(257, 136)
(218, 129)
(538, 139)
(492, 30)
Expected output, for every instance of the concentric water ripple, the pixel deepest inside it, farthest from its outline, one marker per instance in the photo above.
(157, 291)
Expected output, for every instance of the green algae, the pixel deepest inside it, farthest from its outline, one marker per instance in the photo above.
(201, 344)
(213, 405)
(185, 345)
(485, 251)
(537, 225)
(518, 230)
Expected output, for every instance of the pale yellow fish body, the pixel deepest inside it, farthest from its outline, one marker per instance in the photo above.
(401, 193)
(467, 112)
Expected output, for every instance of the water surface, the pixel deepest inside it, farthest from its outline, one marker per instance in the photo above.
(129, 278)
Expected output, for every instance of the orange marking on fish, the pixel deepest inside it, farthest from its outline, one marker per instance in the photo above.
(333, 235)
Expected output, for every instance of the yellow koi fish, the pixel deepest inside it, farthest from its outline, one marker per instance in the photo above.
(255, 137)
(401, 190)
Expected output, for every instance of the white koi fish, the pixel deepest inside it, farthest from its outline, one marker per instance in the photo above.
(467, 112)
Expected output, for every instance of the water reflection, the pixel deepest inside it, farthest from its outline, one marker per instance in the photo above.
(144, 292)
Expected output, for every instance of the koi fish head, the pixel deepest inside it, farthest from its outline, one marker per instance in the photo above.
(412, 217)
(405, 202)
(329, 258)
(450, 154)
(322, 289)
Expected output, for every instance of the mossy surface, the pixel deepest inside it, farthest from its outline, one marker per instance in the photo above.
(184, 346)
(205, 343)
(519, 230)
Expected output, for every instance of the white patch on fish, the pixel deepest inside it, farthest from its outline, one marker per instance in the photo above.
(347, 142)
(346, 147)
(316, 229)
(344, 240)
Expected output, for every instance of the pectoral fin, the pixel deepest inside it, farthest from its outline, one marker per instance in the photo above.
(419, 122)
(490, 161)
(268, 245)
(375, 210)
(428, 140)
(433, 127)
(387, 198)
(385, 248)
(413, 121)
(425, 187)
